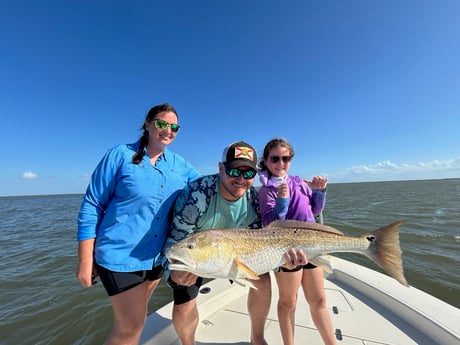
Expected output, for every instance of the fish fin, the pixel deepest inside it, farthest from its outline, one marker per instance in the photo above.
(322, 261)
(384, 249)
(245, 283)
(244, 271)
(297, 224)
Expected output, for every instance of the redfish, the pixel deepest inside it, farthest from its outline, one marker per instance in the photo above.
(241, 254)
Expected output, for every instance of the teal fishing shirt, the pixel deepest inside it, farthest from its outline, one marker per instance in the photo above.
(200, 206)
(127, 207)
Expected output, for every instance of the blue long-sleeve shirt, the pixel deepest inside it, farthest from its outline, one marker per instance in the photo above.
(127, 207)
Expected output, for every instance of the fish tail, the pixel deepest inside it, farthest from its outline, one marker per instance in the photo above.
(385, 250)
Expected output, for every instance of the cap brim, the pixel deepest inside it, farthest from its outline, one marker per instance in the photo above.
(238, 163)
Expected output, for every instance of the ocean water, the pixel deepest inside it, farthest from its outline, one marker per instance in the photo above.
(43, 303)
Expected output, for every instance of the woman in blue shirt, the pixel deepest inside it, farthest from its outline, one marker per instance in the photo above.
(124, 219)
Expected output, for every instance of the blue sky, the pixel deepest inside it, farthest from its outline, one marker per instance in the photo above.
(364, 90)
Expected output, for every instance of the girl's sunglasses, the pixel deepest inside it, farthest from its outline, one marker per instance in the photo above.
(247, 174)
(276, 159)
(160, 124)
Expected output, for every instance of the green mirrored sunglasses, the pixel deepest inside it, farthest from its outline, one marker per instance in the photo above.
(160, 124)
(247, 174)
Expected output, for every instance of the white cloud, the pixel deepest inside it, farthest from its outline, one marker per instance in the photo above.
(29, 175)
(387, 170)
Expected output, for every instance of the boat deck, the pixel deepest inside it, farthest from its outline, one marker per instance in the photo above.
(378, 311)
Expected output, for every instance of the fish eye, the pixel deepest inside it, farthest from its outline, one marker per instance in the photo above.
(191, 246)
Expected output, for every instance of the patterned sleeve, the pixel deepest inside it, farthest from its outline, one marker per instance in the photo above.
(253, 196)
(190, 206)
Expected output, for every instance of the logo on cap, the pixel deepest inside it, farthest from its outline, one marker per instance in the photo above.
(244, 152)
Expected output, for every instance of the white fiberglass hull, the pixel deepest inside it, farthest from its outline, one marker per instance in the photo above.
(366, 307)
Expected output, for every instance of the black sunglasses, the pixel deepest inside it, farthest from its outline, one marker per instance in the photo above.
(276, 159)
(247, 174)
(160, 124)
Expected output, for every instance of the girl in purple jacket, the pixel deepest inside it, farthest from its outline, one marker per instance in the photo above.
(283, 196)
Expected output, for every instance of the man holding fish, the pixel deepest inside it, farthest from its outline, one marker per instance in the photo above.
(226, 200)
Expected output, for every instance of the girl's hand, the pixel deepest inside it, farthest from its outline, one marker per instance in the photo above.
(283, 190)
(317, 183)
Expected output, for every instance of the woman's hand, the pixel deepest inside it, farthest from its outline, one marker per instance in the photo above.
(86, 274)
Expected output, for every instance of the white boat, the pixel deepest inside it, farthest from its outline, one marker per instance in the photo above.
(366, 307)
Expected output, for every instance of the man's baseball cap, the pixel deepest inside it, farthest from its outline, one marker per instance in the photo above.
(239, 154)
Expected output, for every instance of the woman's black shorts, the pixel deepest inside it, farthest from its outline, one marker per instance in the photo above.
(116, 282)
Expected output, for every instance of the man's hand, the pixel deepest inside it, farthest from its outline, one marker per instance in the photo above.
(183, 278)
(295, 258)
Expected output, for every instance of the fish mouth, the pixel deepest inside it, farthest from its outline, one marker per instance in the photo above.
(176, 264)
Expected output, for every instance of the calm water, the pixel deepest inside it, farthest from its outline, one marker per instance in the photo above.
(42, 302)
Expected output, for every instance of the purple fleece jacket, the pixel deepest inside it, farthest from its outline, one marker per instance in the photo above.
(302, 204)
